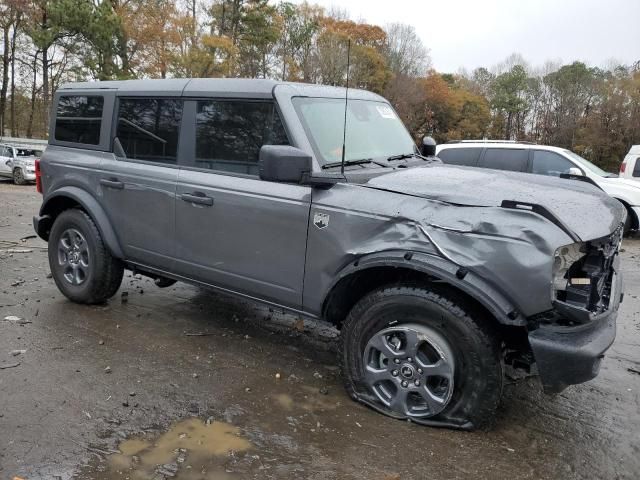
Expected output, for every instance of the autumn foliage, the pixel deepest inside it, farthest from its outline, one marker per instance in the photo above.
(47, 42)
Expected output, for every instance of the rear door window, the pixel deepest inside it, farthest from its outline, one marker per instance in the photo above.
(505, 159)
(79, 118)
(460, 156)
(229, 134)
(550, 163)
(149, 128)
(636, 167)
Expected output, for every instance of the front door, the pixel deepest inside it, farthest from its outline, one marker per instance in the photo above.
(233, 230)
(138, 182)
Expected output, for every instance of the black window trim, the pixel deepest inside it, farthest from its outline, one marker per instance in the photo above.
(191, 130)
(114, 129)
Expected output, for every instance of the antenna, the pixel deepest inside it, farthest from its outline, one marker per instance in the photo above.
(346, 102)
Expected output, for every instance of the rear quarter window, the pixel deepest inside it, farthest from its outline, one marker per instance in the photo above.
(79, 119)
(467, 157)
(505, 159)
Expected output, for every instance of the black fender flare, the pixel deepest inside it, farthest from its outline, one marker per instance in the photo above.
(462, 278)
(90, 205)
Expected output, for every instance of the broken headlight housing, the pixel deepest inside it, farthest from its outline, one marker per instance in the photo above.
(583, 272)
(563, 259)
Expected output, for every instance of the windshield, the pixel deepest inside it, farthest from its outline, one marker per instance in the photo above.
(373, 129)
(24, 152)
(587, 164)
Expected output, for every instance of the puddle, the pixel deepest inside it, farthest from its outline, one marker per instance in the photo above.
(189, 450)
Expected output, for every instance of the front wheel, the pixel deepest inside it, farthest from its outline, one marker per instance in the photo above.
(18, 177)
(81, 265)
(417, 353)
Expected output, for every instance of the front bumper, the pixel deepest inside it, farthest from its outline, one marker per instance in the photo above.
(567, 355)
(28, 173)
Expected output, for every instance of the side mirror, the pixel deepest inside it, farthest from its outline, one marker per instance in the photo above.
(575, 171)
(428, 148)
(282, 163)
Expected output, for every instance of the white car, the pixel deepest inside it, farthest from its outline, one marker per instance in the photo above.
(543, 160)
(630, 167)
(18, 163)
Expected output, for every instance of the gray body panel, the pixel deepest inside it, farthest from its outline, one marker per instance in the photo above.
(251, 239)
(259, 239)
(141, 208)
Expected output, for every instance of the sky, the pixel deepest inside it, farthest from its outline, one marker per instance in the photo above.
(472, 33)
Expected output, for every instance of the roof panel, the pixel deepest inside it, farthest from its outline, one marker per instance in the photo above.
(219, 87)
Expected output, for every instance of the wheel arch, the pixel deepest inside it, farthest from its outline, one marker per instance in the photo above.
(635, 221)
(75, 197)
(372, 271)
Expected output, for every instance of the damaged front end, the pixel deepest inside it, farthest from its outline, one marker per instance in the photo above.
(569, 341)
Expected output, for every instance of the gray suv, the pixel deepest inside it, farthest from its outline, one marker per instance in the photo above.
(437, 276)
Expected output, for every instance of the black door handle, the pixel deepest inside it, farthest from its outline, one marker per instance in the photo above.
(197, 198)
(112, 183)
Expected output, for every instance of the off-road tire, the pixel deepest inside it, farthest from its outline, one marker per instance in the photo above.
(18, 177)
(105, 275)
(478, 376)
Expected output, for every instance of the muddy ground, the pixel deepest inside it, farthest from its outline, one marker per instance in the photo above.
(188, 379)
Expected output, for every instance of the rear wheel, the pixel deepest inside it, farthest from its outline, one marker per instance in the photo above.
(82, 267)
(418, 354)
(18, 177)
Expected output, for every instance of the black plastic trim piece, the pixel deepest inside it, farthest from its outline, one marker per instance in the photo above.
(543, 212)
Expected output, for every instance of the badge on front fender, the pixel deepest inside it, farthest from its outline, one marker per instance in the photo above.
(321, 220)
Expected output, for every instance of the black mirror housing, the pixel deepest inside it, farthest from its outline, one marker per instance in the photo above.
(428, 148)
(283, 163)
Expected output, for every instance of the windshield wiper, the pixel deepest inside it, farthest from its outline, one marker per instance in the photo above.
(404, 156)
(361, 161)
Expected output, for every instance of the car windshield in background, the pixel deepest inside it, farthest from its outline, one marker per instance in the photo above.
(373, 129)
(24, 152)
(587, 164)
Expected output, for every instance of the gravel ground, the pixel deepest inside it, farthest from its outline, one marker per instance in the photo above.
(216, 388)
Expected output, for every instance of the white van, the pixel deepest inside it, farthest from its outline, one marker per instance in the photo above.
(630, 167)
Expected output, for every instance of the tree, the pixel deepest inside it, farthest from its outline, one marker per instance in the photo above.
(406, 54)
(509, 99)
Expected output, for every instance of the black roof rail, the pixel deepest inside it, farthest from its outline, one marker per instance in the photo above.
(526, 142)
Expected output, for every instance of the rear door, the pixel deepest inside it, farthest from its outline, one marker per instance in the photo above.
(233, 230)
(138, 181)
(512, 159)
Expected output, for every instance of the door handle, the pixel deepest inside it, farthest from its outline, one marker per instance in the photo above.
(112, 183)
(197, 198)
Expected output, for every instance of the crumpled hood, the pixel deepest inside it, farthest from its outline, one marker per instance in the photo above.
(587, 211)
